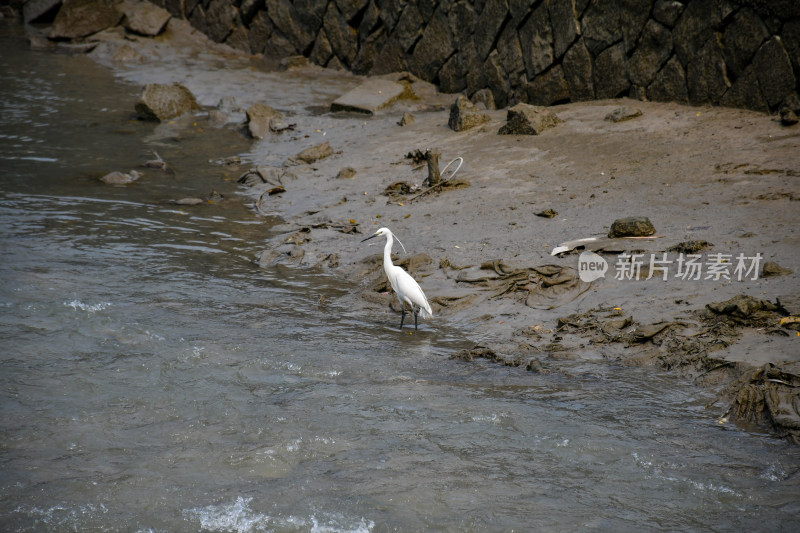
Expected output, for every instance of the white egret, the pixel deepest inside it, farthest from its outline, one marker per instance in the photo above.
(407, 290)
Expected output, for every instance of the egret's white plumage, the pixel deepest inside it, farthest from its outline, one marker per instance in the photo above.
(407, 290)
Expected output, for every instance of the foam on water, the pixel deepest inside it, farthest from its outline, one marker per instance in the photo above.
(238, 517)
(90, 308)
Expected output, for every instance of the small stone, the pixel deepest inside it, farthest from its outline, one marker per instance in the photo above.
(771, 268)
(293, 62)
(621, 114)
(120, 178)
(484, 99)
(163, 102)
(311, 155)
(347, 173)
(547, 213)
(788, 117)
(186, 201)
(526, 119)
(260, 119)
(631, 227)
(689, 247)
(464, 115)
(406, 119)
(214, 197)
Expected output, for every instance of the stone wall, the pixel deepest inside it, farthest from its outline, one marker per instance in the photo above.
(738, 53)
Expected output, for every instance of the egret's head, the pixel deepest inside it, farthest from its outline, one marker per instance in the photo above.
(380, 233)
(385, 232)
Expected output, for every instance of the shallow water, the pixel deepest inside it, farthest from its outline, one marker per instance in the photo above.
(155, 379)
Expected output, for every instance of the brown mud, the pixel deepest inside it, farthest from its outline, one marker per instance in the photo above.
(481, 250)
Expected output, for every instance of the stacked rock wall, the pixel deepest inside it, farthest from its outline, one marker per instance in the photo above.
(738, 53)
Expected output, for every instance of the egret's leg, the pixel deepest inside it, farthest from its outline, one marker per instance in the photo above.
(415, 318)
(402, 317)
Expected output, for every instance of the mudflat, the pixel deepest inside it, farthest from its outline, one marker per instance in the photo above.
(712, 293)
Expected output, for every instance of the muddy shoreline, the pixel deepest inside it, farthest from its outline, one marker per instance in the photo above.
(481, 251)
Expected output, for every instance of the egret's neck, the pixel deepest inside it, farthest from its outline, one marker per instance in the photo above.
(387, 252)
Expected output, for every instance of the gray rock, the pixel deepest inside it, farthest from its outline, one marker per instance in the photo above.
(667, 12)
(771, 268)
(125, 53)
(741, 39)
(346, 173)
(321, 52)
(451, 79)
(621, 114)
(690, 247)
(286, 17)
(789, 110)
(464, 115)
(633, 16)
(774, 71)
(163, 102)
(79, 18)
(187, 201)
(564, 23)
(496, 78)
(370, 96)
(536, 38)
(601, 26)
(790, 35)
(291, 62)
(654, 49)
(350, 8)
(488, 25)
(341, 36)
(406, 119)
(145, 18)
(433, 49)
(259, 33)
(526, 119)
(549, 88)
(745, 93)
(578, 72)
(631, 227)
(484, 99)
(670, 84)
(697, 22)
(120, 178)
(706, 75)
(311, 155)
(261, 119)
(610, 72)
(33, 10)
(220, 20)
(789, 117)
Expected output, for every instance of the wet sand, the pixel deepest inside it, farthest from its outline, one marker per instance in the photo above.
(480, 252)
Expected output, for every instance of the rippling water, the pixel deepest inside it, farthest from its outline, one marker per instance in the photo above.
(154, 379)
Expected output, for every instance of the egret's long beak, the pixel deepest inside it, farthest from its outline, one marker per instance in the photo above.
(371, 236)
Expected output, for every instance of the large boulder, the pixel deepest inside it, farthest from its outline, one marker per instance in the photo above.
(79, 18)
(163, 102)
(145, 18)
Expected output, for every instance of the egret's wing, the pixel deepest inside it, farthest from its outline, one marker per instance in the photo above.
(410, 289)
